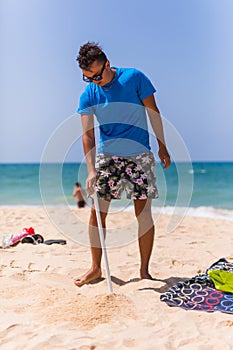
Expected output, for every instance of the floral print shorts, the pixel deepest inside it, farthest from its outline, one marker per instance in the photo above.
(133, 174)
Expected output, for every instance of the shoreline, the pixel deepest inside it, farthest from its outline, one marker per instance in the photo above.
(201, 211)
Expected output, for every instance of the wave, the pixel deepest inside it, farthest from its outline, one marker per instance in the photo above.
(202, 211)
(205, 212)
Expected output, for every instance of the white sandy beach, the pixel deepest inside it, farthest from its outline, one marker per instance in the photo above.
(41, 308)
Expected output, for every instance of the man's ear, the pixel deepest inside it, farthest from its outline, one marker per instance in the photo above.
(107, 65)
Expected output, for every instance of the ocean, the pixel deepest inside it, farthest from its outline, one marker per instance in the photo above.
(206, 188)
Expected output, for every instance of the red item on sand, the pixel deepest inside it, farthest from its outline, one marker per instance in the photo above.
(25, 232)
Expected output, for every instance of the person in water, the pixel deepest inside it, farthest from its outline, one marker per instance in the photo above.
(80, 194)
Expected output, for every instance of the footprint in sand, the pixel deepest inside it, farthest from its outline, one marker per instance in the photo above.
(177, 263)
(7, 331)
(13, 265)
(31, 269)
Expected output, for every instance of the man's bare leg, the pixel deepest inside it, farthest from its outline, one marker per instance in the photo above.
(96, 252)
(145, 234)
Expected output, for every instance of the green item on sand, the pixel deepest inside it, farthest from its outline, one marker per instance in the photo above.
(223, 280)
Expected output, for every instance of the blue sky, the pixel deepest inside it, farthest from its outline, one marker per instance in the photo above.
(184, 47)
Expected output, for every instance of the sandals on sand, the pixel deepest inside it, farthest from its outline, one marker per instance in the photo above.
(37, 239)
(52, 241)
(33, 239)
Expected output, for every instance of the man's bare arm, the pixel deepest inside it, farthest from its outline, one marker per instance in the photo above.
(88, 140)
(157, 126)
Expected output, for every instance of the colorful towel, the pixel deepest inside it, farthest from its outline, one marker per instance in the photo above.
(199, 293)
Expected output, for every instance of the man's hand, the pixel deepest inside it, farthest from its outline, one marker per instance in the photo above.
(157, 126)
(164, 157)
(91, 182)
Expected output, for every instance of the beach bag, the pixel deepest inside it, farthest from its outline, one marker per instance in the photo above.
(221, 274)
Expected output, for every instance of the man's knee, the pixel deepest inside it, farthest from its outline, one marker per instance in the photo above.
(93, 217)
(145, 217)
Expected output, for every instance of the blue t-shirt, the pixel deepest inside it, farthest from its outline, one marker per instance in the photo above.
(120, 112)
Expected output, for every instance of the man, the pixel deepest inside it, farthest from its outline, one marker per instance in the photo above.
(80, 194)
(119, 98)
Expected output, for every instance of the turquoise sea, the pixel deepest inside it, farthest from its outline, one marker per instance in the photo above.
(205, 187)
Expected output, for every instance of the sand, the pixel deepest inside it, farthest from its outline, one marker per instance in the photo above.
(41, 308)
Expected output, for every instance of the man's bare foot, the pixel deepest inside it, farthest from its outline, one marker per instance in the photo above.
(89, 276)
(146, 275)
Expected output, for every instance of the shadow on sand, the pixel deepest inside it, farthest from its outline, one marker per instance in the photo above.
(168, 282)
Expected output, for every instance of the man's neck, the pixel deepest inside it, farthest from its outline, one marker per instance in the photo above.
(112, 75)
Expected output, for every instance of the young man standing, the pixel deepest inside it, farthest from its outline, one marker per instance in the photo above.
(119, 99)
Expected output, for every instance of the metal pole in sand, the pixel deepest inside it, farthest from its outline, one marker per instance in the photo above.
(102, 241)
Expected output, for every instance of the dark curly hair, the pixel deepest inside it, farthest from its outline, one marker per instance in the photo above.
(89, 53)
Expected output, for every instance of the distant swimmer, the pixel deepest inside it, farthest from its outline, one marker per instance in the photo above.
(79, 192)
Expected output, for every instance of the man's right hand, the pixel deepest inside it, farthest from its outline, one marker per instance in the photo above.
(91, 182)
(164, 157)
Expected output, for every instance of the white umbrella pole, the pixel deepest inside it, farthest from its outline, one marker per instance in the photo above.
(102, 241)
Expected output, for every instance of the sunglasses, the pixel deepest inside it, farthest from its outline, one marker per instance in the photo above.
(96, 77)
